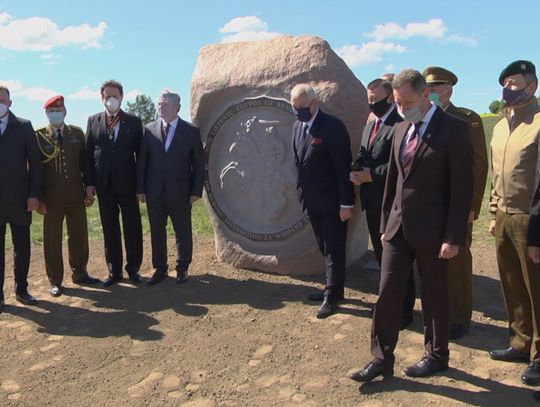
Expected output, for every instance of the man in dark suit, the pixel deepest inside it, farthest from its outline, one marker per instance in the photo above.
(113, 139)
(370, 168)
(425, 214)
(322, 154)
(21, 176)
(170, 175)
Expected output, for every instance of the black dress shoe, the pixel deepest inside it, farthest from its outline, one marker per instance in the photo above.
(112, 279)
(372, 370)
(88, 280)
(158, 277)
(181, 276)
(26, 299)
(531, 375)
(56, 291)
(326, 309)
(426, 367)
(135, 278)
(458, 330)
(509, 355)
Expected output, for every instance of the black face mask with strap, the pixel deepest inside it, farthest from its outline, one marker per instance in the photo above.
(381, 107)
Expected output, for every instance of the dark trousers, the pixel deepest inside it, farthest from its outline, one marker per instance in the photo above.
(75, 216)
(180, 213)
(110, 205)
(460, 283)
(398, 257)
(373, 217)
(20, 235)
(331, 235)
(520, 280)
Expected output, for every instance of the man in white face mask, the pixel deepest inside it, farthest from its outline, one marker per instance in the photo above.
(21, 176)
(113, 140)
(62, 149)
(424, 218)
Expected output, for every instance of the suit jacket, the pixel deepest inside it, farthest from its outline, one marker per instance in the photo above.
(431, 203)
(533, 232)
(375, 157)
(113, 163)
(21, 172)
(323, 162)
(175, 174)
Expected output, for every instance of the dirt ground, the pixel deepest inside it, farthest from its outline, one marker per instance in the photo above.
(233, 338)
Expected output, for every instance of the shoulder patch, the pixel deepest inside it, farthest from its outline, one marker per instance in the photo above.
(465, 111)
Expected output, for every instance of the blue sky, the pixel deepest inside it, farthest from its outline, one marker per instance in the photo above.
(71, 47)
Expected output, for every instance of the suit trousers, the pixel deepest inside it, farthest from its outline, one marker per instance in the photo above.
(397, 261)
(373, 217)
(77, 229)
(331, 235)
(20, 235)
(110, 206)
(520, 280)
(460, 283)
(180, 213)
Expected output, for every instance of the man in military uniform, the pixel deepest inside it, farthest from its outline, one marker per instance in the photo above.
(514, 159)
(440, 82)
(62, 150)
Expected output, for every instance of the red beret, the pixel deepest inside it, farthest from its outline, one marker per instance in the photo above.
(55, 101)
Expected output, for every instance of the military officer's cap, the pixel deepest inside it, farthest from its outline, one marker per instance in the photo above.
(435, 75)
(516, 67)
(55, 101)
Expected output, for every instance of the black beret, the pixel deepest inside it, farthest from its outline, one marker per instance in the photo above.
(516, 67)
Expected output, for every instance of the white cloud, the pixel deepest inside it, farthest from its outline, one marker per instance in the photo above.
(390, 67)
(43, 34)
(247, 23)
(132, 94)
(434, 28)
(463, 39)
(85, 93)
(248, 28)
(36, 94)
(368, 53)
(12, 84)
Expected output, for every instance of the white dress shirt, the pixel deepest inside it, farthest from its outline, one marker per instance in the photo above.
(4, 123)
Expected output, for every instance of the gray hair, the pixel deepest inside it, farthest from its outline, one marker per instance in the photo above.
(173, 97)
(530, 78)
(303, 89)
(412, 77)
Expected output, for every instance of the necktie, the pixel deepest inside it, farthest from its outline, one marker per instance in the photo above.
(410, 148)
(374, 132)
(165, 133)
(59, 136)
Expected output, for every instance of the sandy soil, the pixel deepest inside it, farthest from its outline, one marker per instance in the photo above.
(233, 338)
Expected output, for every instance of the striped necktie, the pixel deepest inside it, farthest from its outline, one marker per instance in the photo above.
(409, 148)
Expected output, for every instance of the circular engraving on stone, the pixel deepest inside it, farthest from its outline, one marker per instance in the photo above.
(250, 177)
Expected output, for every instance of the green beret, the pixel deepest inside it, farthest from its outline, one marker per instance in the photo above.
(516, 67)
(435, 75)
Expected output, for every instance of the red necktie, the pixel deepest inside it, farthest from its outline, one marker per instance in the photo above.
(409, 149)
(374, 132)
(165, 133)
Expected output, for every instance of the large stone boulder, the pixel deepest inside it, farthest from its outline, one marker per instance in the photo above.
(239, 100)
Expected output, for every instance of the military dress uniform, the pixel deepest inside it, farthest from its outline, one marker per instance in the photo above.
(460, 266)
(62, 153)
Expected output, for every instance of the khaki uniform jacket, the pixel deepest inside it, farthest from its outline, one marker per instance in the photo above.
(63, 164)
(480, 156)
(514, 155)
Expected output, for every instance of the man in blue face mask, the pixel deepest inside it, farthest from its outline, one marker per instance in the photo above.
(514, 161)
(322, 154)
(440, 82)
(62, 149)
(424, 218)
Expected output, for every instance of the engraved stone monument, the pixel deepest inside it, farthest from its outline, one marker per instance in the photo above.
(240, 94)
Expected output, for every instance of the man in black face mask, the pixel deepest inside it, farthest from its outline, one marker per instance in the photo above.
(322, 155)
(370, 167)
